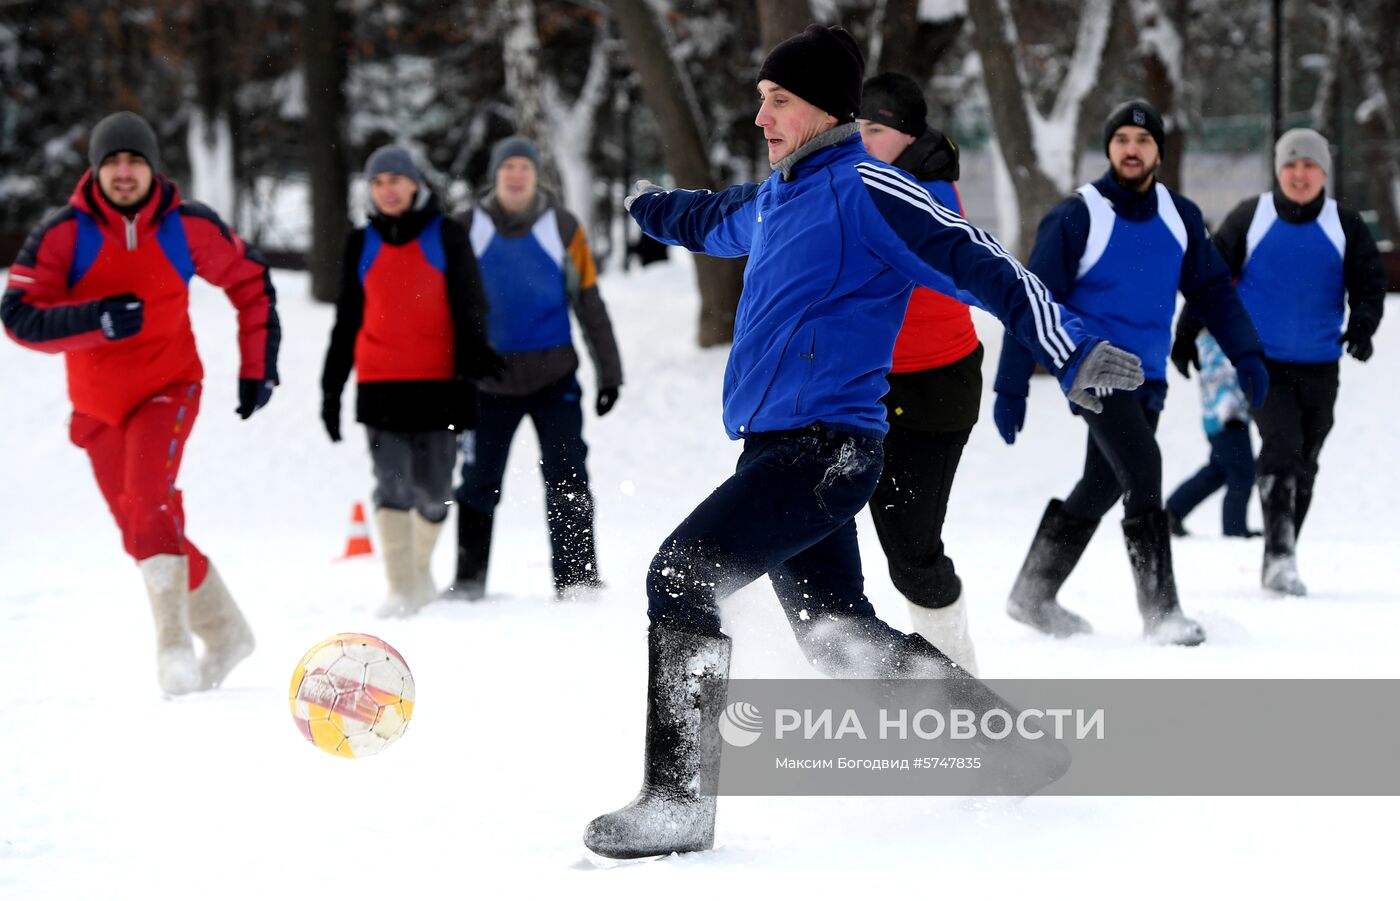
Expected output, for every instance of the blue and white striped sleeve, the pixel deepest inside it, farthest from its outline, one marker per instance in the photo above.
(715, 224)
(925, 241)
(1059, 242)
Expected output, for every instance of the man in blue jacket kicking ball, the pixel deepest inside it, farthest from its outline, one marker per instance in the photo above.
(835, 241)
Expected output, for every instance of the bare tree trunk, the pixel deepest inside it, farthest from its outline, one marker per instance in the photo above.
(1325, 101)
(574, 122)
(1367, 39)
(892, 48)
(1159, 26)
(666, 91)
(521, 52)
(213, 154)
(779, 20)
(906, 45)
(324, 64)
(1035, 192)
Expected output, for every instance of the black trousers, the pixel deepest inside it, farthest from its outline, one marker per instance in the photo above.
(909, 506)
(1122, 458)
(788, 511)
(557, 413)
(1294, 423)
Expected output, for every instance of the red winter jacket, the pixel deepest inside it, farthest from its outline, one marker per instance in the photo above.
(89, 250)
(937, 329)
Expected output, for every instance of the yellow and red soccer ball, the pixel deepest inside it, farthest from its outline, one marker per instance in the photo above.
(352, 695)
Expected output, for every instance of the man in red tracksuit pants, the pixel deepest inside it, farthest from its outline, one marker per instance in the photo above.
(105, 282)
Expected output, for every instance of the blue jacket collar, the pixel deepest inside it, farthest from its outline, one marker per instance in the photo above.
(1130, 205)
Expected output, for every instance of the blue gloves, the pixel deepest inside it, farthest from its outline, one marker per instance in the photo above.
(1254, 378)
(1009, 414)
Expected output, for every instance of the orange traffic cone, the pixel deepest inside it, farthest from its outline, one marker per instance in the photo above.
(357, 545)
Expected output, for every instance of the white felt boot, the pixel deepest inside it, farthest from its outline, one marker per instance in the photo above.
(168, 587)
(218, 622)
(946, 629)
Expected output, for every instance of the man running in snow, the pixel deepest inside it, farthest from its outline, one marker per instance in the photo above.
(408, 320)
(935, 387)
(1116, 252)
(536, 267)
(105, 282)
(835, 240)
(1301, 261)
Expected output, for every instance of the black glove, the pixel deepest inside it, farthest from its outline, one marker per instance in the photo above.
(1184, 355)
(484, 364)
(121, 316)
(330, 415)
(253, 395)
(1357, 338)
(606, 398)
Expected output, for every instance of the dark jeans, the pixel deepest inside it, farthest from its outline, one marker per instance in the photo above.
(1294, 422)
(413, 470)
(1231, 465)
(909, 506)
(788, 511)
(1122, 459)
(557, 414)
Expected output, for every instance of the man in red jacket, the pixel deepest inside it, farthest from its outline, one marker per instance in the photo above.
(935, 387)
(105, 282)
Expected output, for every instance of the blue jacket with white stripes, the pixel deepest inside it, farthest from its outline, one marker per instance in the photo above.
(1116, 258)
(835, 245)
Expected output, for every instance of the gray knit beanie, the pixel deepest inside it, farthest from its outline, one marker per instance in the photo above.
(515, 145)
(393, 159)
(123, 131)
(1302, 144)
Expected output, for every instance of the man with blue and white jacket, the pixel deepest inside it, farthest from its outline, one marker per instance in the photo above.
(1301, 261)
(835, 241)
(1116, 252)
(536, 267)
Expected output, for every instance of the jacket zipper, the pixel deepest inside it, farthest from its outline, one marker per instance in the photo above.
(811, 359)
(131, 232)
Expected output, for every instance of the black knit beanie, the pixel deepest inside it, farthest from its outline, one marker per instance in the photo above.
(123, 131)
(823, 66)
(1134, 112)
(895, 100)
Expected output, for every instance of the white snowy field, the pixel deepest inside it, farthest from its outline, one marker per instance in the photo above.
(530, 712)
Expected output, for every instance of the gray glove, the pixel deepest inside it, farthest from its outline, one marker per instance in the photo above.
(641, 187)
(1104, 369)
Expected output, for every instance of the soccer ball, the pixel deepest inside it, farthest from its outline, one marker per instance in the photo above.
(352, 695)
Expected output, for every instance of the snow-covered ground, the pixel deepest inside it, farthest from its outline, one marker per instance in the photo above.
(530, 712)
